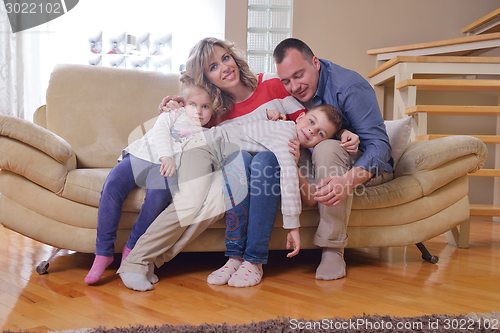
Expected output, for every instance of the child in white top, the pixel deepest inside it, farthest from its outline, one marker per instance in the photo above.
(140, 165)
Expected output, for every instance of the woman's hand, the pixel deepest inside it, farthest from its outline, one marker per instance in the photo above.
(349, 141)
(293, 238)
(167, 166)
(275, 115)
(295, 151)
(171, 103)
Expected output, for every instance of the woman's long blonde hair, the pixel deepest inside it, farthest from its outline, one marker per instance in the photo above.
(200, 58)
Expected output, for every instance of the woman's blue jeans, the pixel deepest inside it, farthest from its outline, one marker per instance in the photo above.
(250, 223)
(122, 179)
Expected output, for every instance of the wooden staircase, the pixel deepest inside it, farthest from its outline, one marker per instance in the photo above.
(420, 112)
(486, 24)
(443, 84)
(402, 72)
(461, 46)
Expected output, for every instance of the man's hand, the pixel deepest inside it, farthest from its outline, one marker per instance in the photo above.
(275, 115)
(293, 238)
(167, 168)
(332, 190)
(295, 151)
(349, 141)
(171, 103)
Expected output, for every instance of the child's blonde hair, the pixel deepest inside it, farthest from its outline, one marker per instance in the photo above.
(200, 58)
(188, 86)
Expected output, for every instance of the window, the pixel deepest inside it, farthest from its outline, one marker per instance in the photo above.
(165, 30)
(269, 22)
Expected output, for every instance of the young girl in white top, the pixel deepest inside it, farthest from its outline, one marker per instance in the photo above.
(140, 166)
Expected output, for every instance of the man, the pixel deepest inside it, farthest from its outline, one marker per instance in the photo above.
(315, 81)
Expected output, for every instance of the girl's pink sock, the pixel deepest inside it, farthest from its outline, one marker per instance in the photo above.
(98, 267)
(125, 252)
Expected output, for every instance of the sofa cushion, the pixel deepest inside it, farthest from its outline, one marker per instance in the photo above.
(399, 133)
(35, 198)
(436, 162)
(95, 108)
(396, 192)
(413, 210)
(85, 186)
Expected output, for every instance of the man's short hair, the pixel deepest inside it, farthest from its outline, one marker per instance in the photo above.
(292, 43)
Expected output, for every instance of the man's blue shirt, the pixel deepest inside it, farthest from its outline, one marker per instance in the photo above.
(354, 97)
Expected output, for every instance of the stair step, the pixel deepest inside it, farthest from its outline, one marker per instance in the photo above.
(488, 23)
(484, 138)
(484, 210)
(486, 173)
(455, 110)
(455, 85)
(455, 46)
(433, 59)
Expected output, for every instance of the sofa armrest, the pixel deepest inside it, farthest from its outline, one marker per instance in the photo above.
(40, 156)
(40, 116)
(37, 137)
(437, 162)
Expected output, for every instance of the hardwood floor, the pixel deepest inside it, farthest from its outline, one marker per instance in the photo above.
(394, 281)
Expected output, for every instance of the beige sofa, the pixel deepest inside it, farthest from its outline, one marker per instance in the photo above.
(52, 172)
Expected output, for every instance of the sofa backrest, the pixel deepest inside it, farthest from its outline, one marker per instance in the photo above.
(95, 109)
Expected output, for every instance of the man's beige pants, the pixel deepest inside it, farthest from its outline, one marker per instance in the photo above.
(330, 159)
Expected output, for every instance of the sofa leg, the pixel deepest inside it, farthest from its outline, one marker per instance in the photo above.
(459, 237)
(426, 254)
(44, 265)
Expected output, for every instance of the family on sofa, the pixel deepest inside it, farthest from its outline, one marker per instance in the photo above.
(230, 95)
(56, 172)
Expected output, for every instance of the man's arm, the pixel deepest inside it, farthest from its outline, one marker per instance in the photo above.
(365, 119)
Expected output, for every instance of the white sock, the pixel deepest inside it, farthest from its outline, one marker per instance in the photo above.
(223, 274)
(248, 275)
(136, 281)
(151, 276)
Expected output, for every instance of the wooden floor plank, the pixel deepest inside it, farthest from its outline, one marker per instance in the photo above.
(394, 281)
(14, 318)
(123, 313)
